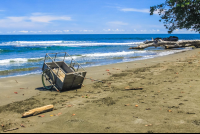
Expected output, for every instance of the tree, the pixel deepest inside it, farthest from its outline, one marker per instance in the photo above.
(179, 14)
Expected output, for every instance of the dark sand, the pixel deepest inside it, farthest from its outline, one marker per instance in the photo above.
(154, 95)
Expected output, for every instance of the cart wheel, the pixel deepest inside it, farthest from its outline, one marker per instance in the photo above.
(47, 79)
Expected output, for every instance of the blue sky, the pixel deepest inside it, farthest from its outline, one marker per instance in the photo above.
(80, 17)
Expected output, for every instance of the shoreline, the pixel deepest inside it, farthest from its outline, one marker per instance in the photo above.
(37, 73)
(119, 112)
(95, 72)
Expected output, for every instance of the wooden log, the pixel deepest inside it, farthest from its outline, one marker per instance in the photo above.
(170, 44)
(142, 46)
(38, 110)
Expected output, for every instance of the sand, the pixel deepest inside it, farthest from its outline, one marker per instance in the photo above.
(153, 95)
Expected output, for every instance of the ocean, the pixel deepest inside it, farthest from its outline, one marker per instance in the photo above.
(24, 54)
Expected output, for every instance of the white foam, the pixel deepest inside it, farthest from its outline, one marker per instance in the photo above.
(18, 60)
(98, 55)
(62, 43)
(123, 53)
(13, 60)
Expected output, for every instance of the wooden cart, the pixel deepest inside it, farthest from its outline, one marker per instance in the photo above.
(60, 75)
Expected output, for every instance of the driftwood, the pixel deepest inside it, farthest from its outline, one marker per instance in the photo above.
(11, 129)
(38, 110)
(169, 44)
(142, 46)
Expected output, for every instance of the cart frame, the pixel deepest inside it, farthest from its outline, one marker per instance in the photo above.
(71, 76)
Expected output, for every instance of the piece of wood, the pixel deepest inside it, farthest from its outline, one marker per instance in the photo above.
(11, 129)
(169, 44)
(142, 46)
(38, 110)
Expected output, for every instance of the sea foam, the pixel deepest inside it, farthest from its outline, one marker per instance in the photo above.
(62, 43)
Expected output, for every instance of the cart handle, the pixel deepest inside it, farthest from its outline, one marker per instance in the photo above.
(56, 64)
(64, 58)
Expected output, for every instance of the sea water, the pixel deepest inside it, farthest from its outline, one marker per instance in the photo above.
(24, 54)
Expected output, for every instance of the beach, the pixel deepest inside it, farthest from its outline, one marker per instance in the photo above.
(153, 95)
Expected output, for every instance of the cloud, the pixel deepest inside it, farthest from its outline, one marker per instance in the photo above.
(143, 30)
(48, 18)
(86, 30)
(57, 31)
(16, 19)
(33, 31)
(117, 23)
(66, 30)
(135, 10)
(113, 30)
(106, 30)
(34, 20)
(23, 31)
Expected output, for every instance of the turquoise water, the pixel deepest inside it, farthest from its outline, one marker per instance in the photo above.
(24, 54)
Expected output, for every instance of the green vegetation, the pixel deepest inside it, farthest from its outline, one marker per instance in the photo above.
(179, 14)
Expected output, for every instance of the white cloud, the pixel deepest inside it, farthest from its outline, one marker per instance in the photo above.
(57, 31)
(33, 31)
(86, 30)
(30, 21)
(66, 30)
(38, 13)
(48, 19)
(143, 30)
(23, 31)
(118, 30)
(16, 19)
(113, 30)
(117, 23)
(135, 30)
(106, 30)
(158, 30)
(135, 10)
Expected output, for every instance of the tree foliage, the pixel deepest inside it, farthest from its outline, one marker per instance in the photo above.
(179, 14)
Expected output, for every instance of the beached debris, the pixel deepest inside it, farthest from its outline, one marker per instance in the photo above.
(22, 125)
(133, 88)
(143, 46)
(127, 105)
(148, 125)
(169, 44)
(38, 111)
(41, 115)
(11, 129)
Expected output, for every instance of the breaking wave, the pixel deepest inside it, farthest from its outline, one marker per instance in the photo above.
(62, 43)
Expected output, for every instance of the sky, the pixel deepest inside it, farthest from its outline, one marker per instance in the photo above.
(81, 17)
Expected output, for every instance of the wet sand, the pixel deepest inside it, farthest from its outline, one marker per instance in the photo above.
(153, 95)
